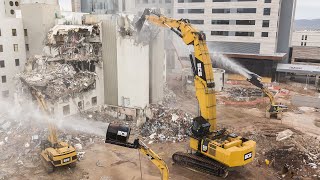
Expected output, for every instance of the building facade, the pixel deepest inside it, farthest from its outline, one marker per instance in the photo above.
(12, 46)
(306, 38)
(250, 31)
(38, 19)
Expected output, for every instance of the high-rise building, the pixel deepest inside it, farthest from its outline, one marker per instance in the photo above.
(76, 5)
(257, 33)
(100, 6)
(12, 46)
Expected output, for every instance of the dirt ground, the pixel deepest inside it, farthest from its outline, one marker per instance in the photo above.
(108, 162)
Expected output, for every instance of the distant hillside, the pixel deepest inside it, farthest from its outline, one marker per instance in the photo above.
(305, 24)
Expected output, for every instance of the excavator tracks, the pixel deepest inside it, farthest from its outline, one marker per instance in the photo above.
(199, 163)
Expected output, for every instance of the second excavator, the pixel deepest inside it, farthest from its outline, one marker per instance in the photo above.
(213, 151)
(273, 109)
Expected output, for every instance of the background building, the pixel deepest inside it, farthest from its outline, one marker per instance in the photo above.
(38, 18)
(12, 46)
(306, 38)
(256, 33)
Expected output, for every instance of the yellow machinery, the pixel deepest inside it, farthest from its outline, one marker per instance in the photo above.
(273, 109)
(215, 150)
(54, 153)
(119, 135)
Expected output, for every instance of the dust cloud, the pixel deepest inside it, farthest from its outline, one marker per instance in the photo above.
(26, 111)
(228, 64)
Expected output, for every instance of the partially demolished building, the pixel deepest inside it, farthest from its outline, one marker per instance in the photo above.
(69, 74)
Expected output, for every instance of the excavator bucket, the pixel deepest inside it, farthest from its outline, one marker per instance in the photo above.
(140, 22)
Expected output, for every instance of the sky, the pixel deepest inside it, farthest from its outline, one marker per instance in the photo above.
(306, 9)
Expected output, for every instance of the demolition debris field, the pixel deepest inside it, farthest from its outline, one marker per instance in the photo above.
(290, 147)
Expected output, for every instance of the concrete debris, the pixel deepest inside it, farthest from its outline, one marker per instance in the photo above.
(78, 147)
(6, 125)
(127, 29)
(35, 137)
(1, 143)
(80, 155)
(26, 145)
(162, 128)
(244, 94)
(284, 135)
(69, 67)
(169, 96)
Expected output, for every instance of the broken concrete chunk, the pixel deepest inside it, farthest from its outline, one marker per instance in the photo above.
(152, 135)
(284, 135)
(174, 117)
(35, 137)
(6, 125)
(78, 147)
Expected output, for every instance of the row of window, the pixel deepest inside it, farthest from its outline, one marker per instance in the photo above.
(151, 1)
(15, 47)
(266, 1)
(303, 43)
(2, 63)
(237, 33)
(66, 109)
(266, 11)
(265, 23)
(15, 3)
(14, 32)
(197, 1)
(304, 37)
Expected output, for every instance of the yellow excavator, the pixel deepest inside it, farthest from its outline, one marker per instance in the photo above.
(54, 153)
(273, 109)
(119, 135)
(213, 151)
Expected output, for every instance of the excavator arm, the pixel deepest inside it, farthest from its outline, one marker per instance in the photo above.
(52, 137)
(119, 135)
(201, 63)
(256, 81)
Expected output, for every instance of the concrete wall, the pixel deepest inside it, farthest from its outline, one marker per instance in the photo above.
(157, 61)
(7, 23)
(133, 73)
(109, 57)
(38, 19)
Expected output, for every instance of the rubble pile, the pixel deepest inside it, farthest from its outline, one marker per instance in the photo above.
(166, 125)
(169, 96)
(287, 158)
(244, 94)
(69, 66)
(288, 152)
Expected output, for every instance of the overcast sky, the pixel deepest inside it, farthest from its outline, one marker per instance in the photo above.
(306, 9)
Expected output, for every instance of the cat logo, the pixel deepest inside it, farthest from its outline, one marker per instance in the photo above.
(204, 148)
(199, 69)
(248, 156)
(121, 133)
